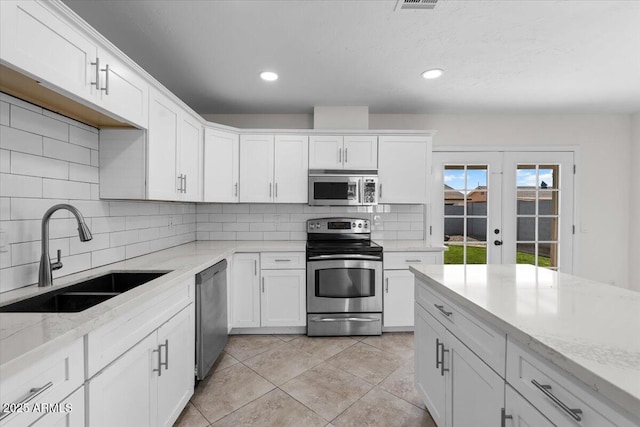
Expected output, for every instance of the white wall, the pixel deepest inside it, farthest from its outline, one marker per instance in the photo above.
(603, 180)
(634, 217)
(47, 159)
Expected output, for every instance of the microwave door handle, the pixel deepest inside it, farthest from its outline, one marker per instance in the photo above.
(360, 191)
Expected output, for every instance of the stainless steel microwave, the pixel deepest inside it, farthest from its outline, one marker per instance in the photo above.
(343, 188)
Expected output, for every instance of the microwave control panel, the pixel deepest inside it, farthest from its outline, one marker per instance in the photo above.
(369, 191)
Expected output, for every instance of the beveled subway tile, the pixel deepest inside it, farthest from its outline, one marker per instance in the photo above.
(191, 417)
(402, 384)
(282, 363)
(367, 362)
(322, 347)
(243, 347)
(327, 390)
(400, 343)
(274, 409)
(379, 408)
(227, 390)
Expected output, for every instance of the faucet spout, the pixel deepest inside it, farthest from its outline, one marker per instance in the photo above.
(45, 273)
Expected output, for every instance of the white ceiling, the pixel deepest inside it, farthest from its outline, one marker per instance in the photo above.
(515, 56)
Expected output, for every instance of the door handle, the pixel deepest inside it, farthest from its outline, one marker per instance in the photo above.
(504, 417)
(497, 242)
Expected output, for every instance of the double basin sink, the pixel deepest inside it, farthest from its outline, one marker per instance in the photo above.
(83, 295)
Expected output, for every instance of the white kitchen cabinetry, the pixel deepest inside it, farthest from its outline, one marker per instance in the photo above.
(37, 40)
(152, 382)
(163, 163)
(520, 413)
(343, 152)
(47, 381)
(70, 413)
(269, 290)
(221, 166)
(273, 168)
(404, 162)
(245, 290)
(399, 287)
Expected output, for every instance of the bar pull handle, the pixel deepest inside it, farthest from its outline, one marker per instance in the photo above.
(282, 260)
(412, 260)
(159, 369)
(442, 352)
(339, 155)
(442, 310)
(345, 319)
(276, 190)
(185, 183)
(236, 190)
(263, 285)
(32, 394)
(346, 155)
(97, 82)
(546, 390)
(180, 183)
(270, 185)
(106, 79)
(379, 191)
(255, 267)
(504, 417)
(387, 285)
(166, 354)
(437, 353)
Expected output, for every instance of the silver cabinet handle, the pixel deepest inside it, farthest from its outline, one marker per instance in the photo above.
(359, 193)
(255, 268)
(438, 343)
(276, 189)
(159, 369)
(379, 191)
(106, 79)
(166, 354)
(236, 190)
(282, 260)
(32, 394)
(442, 310)
(270, 185)
(387, 287)
(185, 183)
(345, 319)
(442, 352)
(97, 82)
(546, 389)
(180, 183)
(412, 260)
(346, 154)
(263, 285)
(166, 360)
(339, 155)
(504, 417)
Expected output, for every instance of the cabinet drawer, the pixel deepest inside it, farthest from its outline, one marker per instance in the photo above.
(282, 260)
(484, 340)
(48, 381)
(548, 389)
(404, 260)
(70, 413)
(109, 341)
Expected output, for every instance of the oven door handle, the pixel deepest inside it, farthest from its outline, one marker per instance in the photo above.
(345, 319)
(344, 256)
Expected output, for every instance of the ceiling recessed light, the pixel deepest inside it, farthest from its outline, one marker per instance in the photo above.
(268, 76)
(433, 73)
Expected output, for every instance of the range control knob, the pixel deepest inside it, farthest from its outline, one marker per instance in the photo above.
(366, 225)
(360, 225)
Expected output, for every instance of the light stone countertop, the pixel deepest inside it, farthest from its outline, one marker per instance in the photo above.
(26, 337)
(589, 329)
(408, 246)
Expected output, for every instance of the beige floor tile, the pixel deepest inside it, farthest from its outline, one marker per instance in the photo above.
(327, 390)
(191, 417)
(288, 337)
(402, 382)
(379, 408)
(322, 347)
(243, 347)
(274, 409)
(282, 363)
(225, 361)
(367, 362)
(400, 343)
(227, 390)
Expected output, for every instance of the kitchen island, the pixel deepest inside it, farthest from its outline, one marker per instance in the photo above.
(584, 333)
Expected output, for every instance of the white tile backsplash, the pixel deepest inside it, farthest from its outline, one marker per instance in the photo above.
(49, 159)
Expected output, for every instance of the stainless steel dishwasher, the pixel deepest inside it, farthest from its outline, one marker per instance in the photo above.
(211, 316)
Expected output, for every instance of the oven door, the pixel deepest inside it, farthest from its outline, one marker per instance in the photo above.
(344, 285)
(335, 190)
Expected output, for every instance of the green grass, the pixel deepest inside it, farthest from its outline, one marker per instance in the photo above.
(478, 255)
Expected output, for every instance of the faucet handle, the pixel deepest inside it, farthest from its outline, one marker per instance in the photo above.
(58, 264)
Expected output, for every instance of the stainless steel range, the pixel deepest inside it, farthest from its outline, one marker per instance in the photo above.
(344, 278)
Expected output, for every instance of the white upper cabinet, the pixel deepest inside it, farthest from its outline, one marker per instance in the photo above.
(343, 152)
(273, 168)
(256, 168)
(190, 159)
(221, 166)
(404, 162)
(164, 116)
(38, 42)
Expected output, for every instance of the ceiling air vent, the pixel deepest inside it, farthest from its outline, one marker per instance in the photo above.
(416, 4)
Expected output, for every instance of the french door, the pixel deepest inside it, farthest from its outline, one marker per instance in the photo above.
(511, 207)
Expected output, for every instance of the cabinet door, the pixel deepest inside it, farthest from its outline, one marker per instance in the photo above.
(325, 152)
(162, 180)
(477, 391)
(70, 413)
(431, 381)
(122, 90)
(176, 381)
(521, 412)
(245, 291)
(398, 298)
(256, 168)
(360, 152)
(38, 43)
(283, 299)
(125, 392)
(291, 169)
(221, 166)
(190, 157)
(402, 169)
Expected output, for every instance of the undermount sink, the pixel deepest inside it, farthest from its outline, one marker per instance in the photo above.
(83, 295)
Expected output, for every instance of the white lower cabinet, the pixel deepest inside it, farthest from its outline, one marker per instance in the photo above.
(68, 413)
(520, 413)
(150, 384)
(271, 296)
